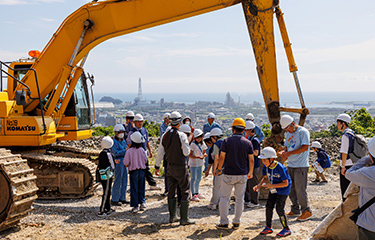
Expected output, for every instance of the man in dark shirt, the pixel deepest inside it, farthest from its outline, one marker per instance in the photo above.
(251, 196)
(237, 157)
(175, 147)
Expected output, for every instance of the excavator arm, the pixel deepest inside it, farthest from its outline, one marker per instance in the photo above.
(96, 22)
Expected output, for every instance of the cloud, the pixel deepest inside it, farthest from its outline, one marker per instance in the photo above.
(47, 19)
(360, 51)
(11, 56)
(131, 39)
(205, 52)
(22, 2)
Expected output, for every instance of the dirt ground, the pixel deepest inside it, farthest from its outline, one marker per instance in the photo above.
(77, 219)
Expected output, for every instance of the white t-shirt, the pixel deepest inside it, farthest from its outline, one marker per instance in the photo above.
(344, 149)
(197, 150)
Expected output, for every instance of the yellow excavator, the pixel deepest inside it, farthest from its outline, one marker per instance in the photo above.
(47, 95)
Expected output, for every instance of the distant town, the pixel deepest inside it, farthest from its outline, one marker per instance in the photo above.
(110, 111)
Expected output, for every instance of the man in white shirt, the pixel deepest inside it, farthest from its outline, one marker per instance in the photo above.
(343, 121)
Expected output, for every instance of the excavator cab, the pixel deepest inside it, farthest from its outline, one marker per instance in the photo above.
(77, 120)
(70, 122)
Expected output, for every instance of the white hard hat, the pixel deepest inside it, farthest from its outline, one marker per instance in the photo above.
(185, 128)
(137, 137)
(175, 118)
(211, 115)
(371, 146)
(119, 128)
(249, 125)
(216, 132)
(138, 117)
(344, 117)
(268, 152)
(206, 136)
(107, 142)
(129, 114)
(166, 115)
(285, 121)
(250, 116)
(198, 133)
(316, 144)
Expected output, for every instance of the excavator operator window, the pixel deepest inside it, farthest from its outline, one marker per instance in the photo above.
(82, 103)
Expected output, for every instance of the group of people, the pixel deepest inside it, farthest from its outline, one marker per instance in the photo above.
(187, 153)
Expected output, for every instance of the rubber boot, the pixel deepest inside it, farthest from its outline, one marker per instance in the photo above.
(172, 207)
(184, 212)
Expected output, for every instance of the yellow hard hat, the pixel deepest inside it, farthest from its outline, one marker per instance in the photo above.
(239, 122)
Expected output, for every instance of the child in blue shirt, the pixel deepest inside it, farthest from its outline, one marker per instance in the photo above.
(277, 180)
(323, 161)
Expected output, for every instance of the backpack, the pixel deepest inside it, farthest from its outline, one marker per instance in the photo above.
(357, 146)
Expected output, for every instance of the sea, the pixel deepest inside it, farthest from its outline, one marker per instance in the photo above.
(343, 100)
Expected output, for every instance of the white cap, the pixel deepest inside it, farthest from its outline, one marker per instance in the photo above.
(107, 142)
(216, 132)
(249, 125)
(175, 118)
(137, 137)
(166, 115)
(371, 146)
(250, 116)
(268, 152)
(198, 133)
(316, 144)
(129, 114)
(119, 128)
(211, 115)
(285, 121)
(185, 128)
(206, 136)
(344, 117)
(138, 117)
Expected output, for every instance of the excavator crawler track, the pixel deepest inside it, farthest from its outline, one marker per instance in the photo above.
(61, 177)
(74, 152)
(18, 189)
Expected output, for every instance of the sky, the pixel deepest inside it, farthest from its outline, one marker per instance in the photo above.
(333, 43)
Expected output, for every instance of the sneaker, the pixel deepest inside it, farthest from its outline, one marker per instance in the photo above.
(292, 214)
(284, 232)
(124, 202)
(306, 215)
(115, 203)
(222, 226)
(156, 187)
(212, 206)
(235, 226)
(195, 198)
(142, 207)
(111, 210)
(266, 230)
(103, 214)
(135, 210)
(324, 181)
(251, 205)
(200, 196)
(316, 181)
(165, 194)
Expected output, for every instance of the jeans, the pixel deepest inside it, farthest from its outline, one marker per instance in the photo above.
(227, 184)
(121, 182)
(196, 176)
(137, 187)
